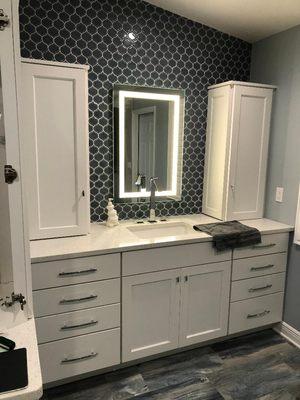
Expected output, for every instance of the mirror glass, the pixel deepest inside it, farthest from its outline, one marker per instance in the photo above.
(148, 128)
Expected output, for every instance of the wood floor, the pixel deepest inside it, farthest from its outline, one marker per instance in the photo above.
(259, 366)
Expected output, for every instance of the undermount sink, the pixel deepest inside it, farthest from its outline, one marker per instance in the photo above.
(160, 229)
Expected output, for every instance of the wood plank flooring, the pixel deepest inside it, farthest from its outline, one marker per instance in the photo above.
(260, 366)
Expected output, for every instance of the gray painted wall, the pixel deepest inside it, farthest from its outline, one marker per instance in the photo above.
(276, 60)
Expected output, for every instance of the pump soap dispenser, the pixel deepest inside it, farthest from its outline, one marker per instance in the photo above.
(112, 216)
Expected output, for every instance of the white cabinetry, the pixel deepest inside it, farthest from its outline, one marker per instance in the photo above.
(204, 302)
(77, 308)
(55, 123)
(150, 313)
(173, 308)
(14, 249)
(238, 124)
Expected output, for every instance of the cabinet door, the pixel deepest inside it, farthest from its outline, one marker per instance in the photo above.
(204, 302)
(14, 246)
(56, 152)
(150, 313)
(249, 152)
(216, 151)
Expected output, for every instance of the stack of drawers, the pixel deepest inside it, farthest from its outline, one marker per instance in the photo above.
(257, 287)
(77, 310)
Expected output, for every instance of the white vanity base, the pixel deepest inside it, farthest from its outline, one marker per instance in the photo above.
(111, 299)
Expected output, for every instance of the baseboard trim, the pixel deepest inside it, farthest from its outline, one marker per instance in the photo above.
(289, 333)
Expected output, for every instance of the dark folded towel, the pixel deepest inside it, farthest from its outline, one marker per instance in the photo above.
(230, 234)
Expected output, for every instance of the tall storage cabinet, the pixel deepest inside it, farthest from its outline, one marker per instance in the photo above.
(238, 125)
(55, 121)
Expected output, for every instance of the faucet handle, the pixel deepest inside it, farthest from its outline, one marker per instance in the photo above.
(153, 180)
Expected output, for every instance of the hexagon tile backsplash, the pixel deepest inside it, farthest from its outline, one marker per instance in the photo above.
(170, 51)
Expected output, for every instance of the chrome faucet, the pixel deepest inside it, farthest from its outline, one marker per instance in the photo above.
(153, 188)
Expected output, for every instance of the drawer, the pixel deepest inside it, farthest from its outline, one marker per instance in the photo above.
(275, 243)
(141, 261)
(70, 357)
(254, 287)
(76, 323)
(258, 266)
(78, 270)
(76, 297)
(252, 313)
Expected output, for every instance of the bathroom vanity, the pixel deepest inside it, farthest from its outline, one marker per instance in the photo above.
(119, 294)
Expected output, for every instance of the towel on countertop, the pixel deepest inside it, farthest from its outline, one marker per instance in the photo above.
(231, 234)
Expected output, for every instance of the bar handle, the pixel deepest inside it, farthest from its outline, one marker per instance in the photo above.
(81, 272)
(86, 357)
(260, 288)
(263, 246)
(83, 325)
(67, 301)
(263, 267)
(258, 315)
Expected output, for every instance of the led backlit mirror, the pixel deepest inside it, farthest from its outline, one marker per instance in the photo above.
(148, 129)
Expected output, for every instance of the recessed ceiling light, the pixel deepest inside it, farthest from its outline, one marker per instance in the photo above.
(130, 38)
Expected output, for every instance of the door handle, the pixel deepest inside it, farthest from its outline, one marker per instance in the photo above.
(86, 357)
(81, 272)
(258, 315)
(259, 288)
(263, 267)
(67, 301)
(263, 246)
(77, 326)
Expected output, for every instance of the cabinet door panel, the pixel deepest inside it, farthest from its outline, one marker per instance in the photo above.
(204, 302)
(248, 159)
(55, 124)
(216, 151)
(150, 313)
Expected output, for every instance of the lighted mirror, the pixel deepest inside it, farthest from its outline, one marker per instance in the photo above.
(148, 130)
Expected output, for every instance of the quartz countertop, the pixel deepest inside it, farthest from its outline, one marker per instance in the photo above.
(24, 335)
(104, 240)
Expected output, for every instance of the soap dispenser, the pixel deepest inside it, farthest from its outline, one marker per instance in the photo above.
(112, 216)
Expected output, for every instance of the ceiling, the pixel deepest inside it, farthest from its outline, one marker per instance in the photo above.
(250, 20)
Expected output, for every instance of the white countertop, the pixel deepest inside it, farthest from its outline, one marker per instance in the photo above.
(103, 240)
(24, 335)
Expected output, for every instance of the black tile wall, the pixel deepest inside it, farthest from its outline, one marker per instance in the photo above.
(170, 52)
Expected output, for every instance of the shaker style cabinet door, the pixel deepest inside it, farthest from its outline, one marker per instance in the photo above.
(249, 152)
(150, 314)
(204, 302)
(14, 248)
(236, 152)
(55, 121)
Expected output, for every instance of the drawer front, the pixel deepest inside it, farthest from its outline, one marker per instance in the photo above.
(76, 297)
(254, 287)
(75, 356)
(141, 261)
(258, 266)
(252, 313)
(78, 270)
(76, 323)
(275, 243)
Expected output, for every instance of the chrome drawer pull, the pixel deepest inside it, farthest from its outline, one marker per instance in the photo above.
(69, 360)
(82, 272)
(263, 267)
(262, 314)
(83, 325)
(260, 288)
(66, 301)
(263, 246)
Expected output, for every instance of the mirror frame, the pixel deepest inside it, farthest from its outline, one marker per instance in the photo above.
(120, 93)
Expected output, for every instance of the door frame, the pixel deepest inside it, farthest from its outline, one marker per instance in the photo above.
(135, 137)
